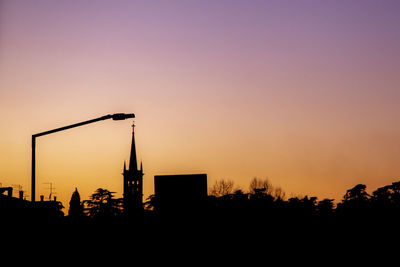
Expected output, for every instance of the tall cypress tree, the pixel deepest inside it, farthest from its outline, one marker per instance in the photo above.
(75, 205)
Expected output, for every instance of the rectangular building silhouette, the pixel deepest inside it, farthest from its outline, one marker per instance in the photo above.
(184, 193)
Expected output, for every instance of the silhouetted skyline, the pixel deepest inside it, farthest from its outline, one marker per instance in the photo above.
(182, 198)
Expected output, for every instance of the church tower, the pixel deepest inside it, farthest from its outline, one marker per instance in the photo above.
(133, 183)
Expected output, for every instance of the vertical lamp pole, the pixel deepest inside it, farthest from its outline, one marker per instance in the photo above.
(33, 174)
(116, 117)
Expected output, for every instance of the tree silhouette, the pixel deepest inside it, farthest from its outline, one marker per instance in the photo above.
(302, 207)
(75, 205)
(356, 202)
(102, 204)
(221, 188)
(357, 193)
(257, 185)
(279, 194)
(386, 200)
(325, 207)
(151, 202)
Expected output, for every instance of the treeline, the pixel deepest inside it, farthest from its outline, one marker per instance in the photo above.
(263, 201)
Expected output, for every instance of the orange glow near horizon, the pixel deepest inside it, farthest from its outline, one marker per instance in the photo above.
(304, 93)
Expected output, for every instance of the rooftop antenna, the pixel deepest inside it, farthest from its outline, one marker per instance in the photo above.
(51, 189)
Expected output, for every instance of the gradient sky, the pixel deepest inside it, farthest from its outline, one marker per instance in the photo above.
(305, 93)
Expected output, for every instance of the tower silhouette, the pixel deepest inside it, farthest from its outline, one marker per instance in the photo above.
(133, 182)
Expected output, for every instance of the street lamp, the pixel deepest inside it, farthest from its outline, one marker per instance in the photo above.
(115, 117)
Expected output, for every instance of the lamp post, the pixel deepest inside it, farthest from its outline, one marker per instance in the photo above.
(115, 117)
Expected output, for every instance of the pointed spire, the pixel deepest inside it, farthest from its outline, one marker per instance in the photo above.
(124, 166)
(141, 166)
(132, 160)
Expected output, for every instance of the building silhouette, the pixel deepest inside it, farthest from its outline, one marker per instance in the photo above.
(133, 183)
(180, 193)
(17, 208)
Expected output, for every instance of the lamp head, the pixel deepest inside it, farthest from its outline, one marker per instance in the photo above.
(122, 116)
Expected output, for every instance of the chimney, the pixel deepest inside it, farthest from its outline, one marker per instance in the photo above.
(21, 194)
(41, 198)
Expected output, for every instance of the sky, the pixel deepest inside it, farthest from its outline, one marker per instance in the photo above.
(305, 93)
